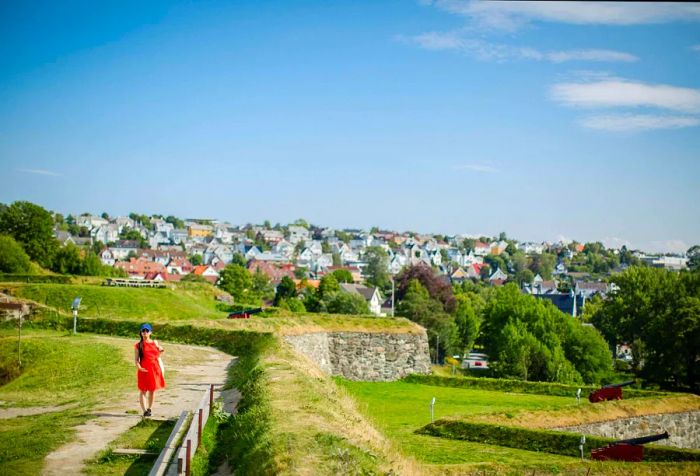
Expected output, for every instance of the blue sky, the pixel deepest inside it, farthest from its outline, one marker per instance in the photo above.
(544, 120)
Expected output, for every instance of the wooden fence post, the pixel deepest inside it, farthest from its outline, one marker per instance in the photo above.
(188, 457)
(211, 397)
(199, 429)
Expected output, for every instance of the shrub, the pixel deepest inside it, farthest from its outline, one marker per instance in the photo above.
(13, 259)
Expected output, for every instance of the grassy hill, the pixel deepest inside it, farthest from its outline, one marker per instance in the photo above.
(186, 301)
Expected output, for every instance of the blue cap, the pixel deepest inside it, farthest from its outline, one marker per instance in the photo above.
(146, 326)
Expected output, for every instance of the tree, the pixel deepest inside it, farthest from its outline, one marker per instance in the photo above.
(196, 260)
(237, 281)
(325, 247)
(133, 235)
(291, 304)
(543, 264)
(286, 290)
(347, 303)
(238, 259)
(67, 260)
(418, 306)
(300, 272)
(377, 269)
(437, 287)
(531, 339)
(343, 276)
(175, 222)
(105, 215)
(261, 287)
(13, 259)
(32, 227)
(328, 285)
(468, 322)
(693, 255)
(658, 312)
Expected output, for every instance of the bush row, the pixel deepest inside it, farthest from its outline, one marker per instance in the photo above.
(35, 278)
(519, 386)
(548, 441)
(244, 438)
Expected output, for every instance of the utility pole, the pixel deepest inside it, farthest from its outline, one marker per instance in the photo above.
(393, 294)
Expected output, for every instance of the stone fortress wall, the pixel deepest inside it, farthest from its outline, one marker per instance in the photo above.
(683, 428)
(376, 357)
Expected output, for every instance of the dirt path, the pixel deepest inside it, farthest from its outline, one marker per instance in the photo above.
(189, 371)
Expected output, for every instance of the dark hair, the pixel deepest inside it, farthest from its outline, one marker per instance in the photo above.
(141, 349)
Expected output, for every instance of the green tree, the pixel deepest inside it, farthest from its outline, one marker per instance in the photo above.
(543, 264)
(133, 235)
(347, 303)
(13, 259)
(175, 222)
(468, 322)
(196, 260)
(291, 304)
(261, 287)
(67, 260)
(418, 306)
(658, 312)
(32, 227)
(328, 285)
(693, 255)
(343, 276)
(237, 281)
(531, 339)
(325, 247)
(286, 289)
(238, 259)
(377, 269)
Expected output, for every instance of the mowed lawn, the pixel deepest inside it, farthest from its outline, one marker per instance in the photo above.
(399, 408)
(187, 301)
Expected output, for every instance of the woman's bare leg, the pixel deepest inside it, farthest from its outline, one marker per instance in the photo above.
(151, 396)
(142, 401)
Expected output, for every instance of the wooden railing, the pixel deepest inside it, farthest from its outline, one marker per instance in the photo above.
(176, 457)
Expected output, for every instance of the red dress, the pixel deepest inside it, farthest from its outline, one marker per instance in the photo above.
(152, 379)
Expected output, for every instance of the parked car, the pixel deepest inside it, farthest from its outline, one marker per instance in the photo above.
(475, 361)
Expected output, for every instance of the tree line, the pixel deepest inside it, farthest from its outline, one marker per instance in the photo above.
(27, 234)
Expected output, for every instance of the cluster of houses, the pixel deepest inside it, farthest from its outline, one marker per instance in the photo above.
(279, 252)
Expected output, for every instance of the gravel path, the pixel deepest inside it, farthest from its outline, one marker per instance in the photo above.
(189, 371)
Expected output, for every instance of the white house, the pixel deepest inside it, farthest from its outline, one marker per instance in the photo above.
(371, 295)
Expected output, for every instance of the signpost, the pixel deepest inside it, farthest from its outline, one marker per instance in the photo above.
(432, 410)
(74, 307)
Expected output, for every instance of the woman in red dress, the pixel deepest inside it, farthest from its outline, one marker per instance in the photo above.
(150, 373)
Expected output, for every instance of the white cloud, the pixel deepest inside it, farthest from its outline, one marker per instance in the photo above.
(615, 243)
(638, 122)
(621, 93)
(498, 52)
(510, 16)
(477, 168)
(666, 246)
(591, 55)
(39, 172)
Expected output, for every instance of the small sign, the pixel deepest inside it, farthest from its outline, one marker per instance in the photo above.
(76, 303)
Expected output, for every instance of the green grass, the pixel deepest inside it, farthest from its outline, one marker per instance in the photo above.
(400, 408)
(57, 369)
(25, 441)
(187, 301)
(147, 434)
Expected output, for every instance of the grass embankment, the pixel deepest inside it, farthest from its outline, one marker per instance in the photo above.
(401, 408)
(188, 301)
(72, 373)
